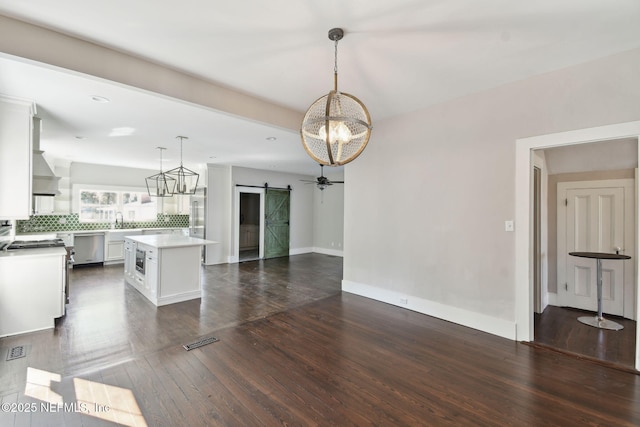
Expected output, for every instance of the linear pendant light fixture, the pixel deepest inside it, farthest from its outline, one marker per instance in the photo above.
(337, 127)
(186, 179)
(160, 184)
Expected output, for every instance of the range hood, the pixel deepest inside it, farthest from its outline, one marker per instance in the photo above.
(44, 182)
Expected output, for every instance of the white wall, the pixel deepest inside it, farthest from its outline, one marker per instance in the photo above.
(433, 238)
(219, 226)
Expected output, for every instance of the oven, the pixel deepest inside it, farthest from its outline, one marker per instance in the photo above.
(141, 254)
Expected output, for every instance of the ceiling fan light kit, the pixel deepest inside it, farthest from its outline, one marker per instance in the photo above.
(336, 128)
(322, 181)
(186, 179)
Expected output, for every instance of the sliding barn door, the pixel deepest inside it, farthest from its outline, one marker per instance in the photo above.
(276, 229)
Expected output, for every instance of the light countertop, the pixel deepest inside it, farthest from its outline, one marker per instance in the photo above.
(36, 252)
(169, 240)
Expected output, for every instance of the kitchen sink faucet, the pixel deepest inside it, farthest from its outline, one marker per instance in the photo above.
(119, 215)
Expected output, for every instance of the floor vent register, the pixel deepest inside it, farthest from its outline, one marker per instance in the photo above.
(16, 352)
(200, 343)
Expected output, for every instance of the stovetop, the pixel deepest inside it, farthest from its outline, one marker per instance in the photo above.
(35, 244)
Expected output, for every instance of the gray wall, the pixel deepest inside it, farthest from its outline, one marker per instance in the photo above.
(328, 216)
(444, 180)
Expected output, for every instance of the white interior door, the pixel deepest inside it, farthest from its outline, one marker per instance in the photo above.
(594, 221)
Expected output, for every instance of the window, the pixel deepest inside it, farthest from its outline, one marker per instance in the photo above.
(96, 205)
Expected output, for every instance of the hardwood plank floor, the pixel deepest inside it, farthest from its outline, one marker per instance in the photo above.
(293, 350)
(558, 328)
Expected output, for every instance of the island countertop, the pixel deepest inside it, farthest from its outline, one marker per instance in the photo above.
(161, 241)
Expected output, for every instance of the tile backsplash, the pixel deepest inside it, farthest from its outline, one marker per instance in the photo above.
(55, 223)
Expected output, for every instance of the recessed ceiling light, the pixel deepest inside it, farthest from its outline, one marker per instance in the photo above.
(212, 157)
(100, 99)
(122, 131)
(271, 138)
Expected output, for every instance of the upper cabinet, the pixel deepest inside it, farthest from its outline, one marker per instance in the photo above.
(16, 148)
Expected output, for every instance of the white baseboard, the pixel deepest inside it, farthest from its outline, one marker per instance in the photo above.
(298, 251)
(482, 322)
(295, 251)
(326, 251)
(171, 299)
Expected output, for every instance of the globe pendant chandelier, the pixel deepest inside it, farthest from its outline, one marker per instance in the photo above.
(337, 127)
(160, 184)
(186, 179)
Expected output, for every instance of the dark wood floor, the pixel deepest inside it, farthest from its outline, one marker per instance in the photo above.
(559, 328)
(293, 350)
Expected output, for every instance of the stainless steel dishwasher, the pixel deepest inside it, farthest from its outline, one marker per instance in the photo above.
(89, 248)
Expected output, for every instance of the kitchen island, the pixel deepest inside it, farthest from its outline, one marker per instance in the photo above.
(165, 268)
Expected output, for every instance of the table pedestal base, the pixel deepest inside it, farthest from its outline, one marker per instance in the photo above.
(599, 322)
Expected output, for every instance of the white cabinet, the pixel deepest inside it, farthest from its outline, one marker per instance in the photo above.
(31, 298)
(115, 248)
(129, 260)
(16, 151)
(115, 251)
(151, 272)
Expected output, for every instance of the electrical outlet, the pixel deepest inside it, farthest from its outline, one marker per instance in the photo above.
(404, 301)
(508, 226)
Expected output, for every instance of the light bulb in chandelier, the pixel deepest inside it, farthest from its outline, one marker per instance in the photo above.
(338, 133)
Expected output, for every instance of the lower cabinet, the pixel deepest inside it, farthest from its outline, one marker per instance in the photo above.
(33, 297)
(115, 251)
(129, 259)
(151, 273)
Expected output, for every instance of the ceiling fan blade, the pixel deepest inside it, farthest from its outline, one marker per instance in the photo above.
(337, 182)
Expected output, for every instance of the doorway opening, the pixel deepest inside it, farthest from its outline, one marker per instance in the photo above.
(249, 242)
(248, 224)
(525, 238)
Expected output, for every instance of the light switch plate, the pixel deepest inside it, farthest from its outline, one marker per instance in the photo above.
(508, 225)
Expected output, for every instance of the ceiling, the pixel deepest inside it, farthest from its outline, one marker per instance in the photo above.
(591, 157)
(397, 56)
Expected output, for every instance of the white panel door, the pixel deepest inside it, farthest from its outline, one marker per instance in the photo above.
(595, 223)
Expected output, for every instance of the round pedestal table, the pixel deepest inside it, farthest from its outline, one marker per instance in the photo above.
(598, 321)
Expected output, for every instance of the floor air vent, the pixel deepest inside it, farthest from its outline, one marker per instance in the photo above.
(200, 343)
(16, 352)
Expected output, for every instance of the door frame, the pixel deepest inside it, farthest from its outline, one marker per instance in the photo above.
(236, 221)
(524, 232)
(628, 186)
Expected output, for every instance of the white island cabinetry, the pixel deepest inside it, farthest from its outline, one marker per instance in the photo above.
(165, 268)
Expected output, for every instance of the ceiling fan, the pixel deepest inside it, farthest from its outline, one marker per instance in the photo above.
(322, 181)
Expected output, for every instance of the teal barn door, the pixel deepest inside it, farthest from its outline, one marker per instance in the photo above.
(276, 228)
